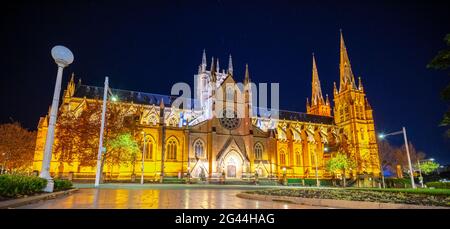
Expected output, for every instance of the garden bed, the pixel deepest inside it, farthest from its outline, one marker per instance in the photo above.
(14, 186)
(419, 197)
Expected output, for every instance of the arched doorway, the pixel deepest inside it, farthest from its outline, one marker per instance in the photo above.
(231, 168)
(232, 164)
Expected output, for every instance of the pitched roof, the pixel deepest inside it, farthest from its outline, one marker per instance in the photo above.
(93, 92)
(294, 116)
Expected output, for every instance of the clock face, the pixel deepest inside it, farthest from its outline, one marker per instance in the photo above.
(229, 123)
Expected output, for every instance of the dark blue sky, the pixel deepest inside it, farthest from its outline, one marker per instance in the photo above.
(149, 46)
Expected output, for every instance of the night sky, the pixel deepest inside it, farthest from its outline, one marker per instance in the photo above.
(148, 47)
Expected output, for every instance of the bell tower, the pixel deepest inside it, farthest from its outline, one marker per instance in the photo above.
(353, 116)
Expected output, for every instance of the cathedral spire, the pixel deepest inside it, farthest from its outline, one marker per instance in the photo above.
(204, 60)
(307, 104)
(345, 69)
(335, 91)
(316, 96)
(368, 107)
(360, 85)
(213, 70)
(327, 100)
(213, 66)
(230, 65)
(217, 65)
(161, 103)
(247, 75)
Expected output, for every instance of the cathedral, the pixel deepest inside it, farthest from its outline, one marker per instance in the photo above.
(238, 144)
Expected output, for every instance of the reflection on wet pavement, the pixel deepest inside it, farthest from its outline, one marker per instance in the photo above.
(159, 199)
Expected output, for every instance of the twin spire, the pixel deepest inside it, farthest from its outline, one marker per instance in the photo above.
(320, 106)
(345, 69)
(346, 77)
(316, 96)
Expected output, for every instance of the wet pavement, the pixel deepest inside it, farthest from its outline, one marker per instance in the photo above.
(177, 198)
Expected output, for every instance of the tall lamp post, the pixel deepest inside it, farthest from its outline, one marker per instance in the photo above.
(63, 57)
(101, 149)
(403, 131)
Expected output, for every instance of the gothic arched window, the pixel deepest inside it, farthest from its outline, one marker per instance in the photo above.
(298, 159)
(172, 150)
(359, 111)
(148, 154)
(346, 113)
(198, 148)
(230, 93)
(282, 158)
(258, 151)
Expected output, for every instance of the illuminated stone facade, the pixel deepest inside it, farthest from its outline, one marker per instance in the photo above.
(198, 142)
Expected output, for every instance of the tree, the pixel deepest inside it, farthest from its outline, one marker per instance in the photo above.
(387, 156)
(427, 167)
(17, 146)
(391, 156)
(120, 150)
(77, 133)
(402, 157)
(442, 62)
(340, 163)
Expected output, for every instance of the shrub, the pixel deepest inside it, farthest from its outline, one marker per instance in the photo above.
(443, 185)
(17, 185)
(308, 181)
(60, 185)
(294, 180)
(397, 182)
(174, 180)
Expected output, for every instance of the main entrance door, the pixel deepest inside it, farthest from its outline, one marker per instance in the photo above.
(231, 168)
(231, 171)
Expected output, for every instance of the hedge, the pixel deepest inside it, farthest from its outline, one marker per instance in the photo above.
(18, 185)
(308, 181)
(61, 185)
(443, 185)
(397, 182)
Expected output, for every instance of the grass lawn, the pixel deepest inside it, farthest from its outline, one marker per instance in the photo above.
(428, 197)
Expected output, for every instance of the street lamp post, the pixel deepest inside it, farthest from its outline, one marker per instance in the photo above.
(63, 57)
(142, 165)
(382, 177)
(102, 127)
(403, 131)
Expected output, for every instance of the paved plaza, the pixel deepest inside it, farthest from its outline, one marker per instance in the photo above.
(118, 196)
